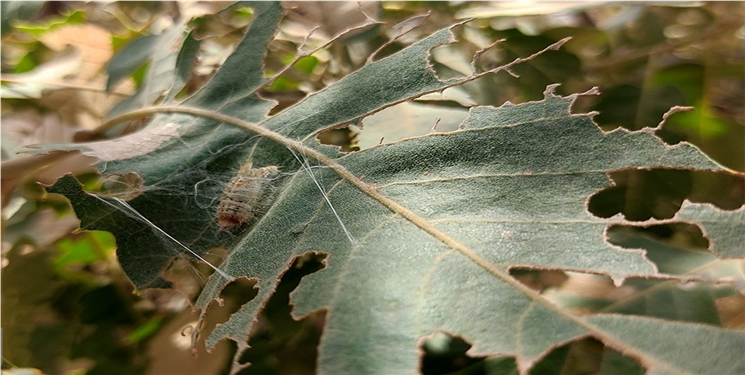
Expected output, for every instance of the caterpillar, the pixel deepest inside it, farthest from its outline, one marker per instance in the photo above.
(245, 196)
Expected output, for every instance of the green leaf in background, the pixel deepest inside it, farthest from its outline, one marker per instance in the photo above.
(15, 10)
(159, 52)
(89, 248)
(130, 58)
(37, 28)
(146, 330)
(419, 236)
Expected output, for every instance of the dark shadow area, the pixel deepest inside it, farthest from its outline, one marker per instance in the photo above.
(446, 354)
(345, 138)
(643, 194)
(539, 280)
(586, 356)
(234, 295)
(280, 344)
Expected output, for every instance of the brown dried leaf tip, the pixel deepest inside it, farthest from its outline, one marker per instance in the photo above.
(245, 197)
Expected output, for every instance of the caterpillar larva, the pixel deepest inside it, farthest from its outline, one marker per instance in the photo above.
(244, 198)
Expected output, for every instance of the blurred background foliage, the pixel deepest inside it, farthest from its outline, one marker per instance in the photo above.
(68, 308)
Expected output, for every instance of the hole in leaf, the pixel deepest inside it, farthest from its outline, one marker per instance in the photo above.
(234, 295)
(586, 356)
(665, 299)
(683, 235)
(189, 275)
(446, 354)
(643, 194)
(640, 195)
(671, 300)
(284, 98)
(635, 108)
(345, 138)
(539, 280)
(675, 248)
(238, 292)
(280, 344)
(731, 309)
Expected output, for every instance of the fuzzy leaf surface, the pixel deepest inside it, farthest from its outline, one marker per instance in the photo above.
(431, 224)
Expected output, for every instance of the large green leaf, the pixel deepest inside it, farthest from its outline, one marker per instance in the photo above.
(419, 235)
(160, 77)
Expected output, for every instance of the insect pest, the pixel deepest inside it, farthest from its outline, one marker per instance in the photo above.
(245, 197)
